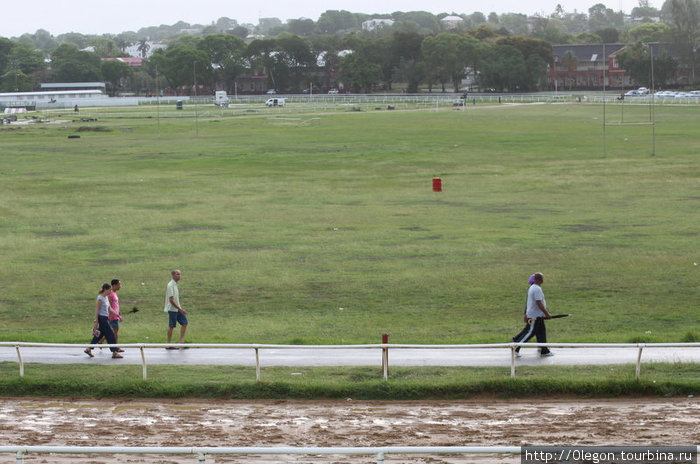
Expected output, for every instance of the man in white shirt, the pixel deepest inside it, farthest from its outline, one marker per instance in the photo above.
(172, 306)
(535, 314)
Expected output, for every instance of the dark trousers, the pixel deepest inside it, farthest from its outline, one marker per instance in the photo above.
(105, 331)
(535, 329)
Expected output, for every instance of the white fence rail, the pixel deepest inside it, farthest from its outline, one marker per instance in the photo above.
(379, 451)
(201, 453)
(383, 347)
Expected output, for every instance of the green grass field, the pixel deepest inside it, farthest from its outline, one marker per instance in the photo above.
(290, 229)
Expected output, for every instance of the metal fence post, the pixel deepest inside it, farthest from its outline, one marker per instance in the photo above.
(512, 361)
(638, 371)
(385, 357)
(380, 458)
(201, 458)
(143, 364)
(257, 364)
(20, 457)
(21, 363)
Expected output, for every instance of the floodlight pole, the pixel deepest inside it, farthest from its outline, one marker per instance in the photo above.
(194, 76)
(157, 101)
(651, 110)
(605, 68)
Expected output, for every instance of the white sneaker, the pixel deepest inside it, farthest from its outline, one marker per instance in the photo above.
(518, 355)
(546, 355)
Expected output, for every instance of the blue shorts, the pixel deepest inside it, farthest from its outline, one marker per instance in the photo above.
(175, 317)
(114, 323)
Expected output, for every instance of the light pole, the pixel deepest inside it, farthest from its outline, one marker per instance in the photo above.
(653, 124)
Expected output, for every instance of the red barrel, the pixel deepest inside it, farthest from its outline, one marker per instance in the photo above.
(437, 184)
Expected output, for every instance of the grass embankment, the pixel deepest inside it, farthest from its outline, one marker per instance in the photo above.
(342, 383)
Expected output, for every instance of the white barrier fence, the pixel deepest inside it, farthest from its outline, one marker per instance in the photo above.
(384, 347)
(380, 452)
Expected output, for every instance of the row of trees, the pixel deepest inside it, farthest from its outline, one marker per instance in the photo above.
(508, 51)
(23, 68)
(559, 27)
(292, 63)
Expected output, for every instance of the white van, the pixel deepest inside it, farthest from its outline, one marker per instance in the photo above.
(221, 98)
(275, 102)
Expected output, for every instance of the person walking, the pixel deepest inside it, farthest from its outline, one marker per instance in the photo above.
(535, 314)
(172, 306)
(102, 312)
(115, 315)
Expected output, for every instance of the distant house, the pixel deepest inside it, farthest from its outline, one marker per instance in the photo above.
(372, 24)
(73, 86)
(132, 61)
(596, 65)
(135, 49)
(451, 22)
(586, 70)
(252, 82)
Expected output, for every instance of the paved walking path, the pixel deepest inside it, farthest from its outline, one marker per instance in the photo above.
(324, 356)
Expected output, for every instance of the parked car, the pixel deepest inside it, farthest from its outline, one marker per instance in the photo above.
(272, 92)
(631, 93)
(275, 102)
(333, 92)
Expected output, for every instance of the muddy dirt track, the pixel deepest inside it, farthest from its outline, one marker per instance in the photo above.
(339, 423)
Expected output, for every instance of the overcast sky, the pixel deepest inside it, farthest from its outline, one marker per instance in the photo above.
(98, 17)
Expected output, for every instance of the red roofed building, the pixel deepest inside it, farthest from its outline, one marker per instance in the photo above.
(132, 61)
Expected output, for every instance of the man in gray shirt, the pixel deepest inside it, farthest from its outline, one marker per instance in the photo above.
(172, 306)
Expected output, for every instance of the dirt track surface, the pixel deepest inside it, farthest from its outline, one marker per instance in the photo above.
(339, 423)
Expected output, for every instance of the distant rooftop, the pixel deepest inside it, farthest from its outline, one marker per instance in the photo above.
(73, 85)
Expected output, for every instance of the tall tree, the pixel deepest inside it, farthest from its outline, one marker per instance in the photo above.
(608, 34)
(447, 56)
(685, 15)
(333, 21)
(183, 64)
(115, 73)
(636, 60)
(261, 53)
(358, 73)
(143, 47)
(301, 27)
(72, 65)
(504, 68)
(601, 17)
(294, 54)
(650, 32)
(529, 46)
(226, 53)
(645, 12)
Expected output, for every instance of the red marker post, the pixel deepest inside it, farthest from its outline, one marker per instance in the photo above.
(437, 184)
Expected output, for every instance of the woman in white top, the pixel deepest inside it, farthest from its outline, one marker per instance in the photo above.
(102, 310)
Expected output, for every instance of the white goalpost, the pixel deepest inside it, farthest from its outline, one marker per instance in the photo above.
(651, 122)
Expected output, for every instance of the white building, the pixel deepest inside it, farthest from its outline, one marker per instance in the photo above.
(450, 22)
(373, 24)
